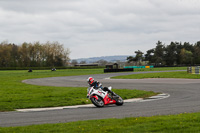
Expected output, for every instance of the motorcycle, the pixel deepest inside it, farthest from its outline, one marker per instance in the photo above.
(100, 98)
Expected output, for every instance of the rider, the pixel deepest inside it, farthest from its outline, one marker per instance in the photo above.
(96, 85)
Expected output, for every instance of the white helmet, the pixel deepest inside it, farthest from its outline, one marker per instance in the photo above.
(90, 80)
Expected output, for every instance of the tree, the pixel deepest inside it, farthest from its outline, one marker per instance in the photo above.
(130, 59)
(179, 47)
(83, 62)
(171, 54)
(196, 54)
(102, 62)
(186, 56)
(158, 57)
(14, 56)
(74, 62)
(5, 54)
(56, 54)
(33, 55)
(149, 56)
(24, 52)
(138, 58)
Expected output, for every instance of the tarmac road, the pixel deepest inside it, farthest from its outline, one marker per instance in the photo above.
(184, 97)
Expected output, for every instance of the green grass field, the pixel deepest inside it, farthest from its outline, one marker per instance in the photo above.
(159, 69)
(181, 123)
(180, 74)
(14, 94)
(17, 95)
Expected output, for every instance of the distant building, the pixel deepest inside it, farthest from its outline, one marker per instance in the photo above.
(112, 66)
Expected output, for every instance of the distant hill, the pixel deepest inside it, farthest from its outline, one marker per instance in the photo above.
(121, 58)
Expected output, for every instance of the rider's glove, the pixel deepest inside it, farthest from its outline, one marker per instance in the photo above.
(100, 85)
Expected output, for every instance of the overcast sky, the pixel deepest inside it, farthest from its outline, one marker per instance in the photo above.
(93, 28)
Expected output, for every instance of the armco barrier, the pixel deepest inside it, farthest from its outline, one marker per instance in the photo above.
(193, 70)
(139, 67)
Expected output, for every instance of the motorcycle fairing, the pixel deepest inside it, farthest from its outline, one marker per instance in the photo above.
(108, 100)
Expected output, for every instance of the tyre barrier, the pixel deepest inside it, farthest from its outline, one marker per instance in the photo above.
(193, 70)
(119, 70)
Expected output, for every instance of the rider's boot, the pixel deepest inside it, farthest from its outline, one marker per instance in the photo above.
(110, 96)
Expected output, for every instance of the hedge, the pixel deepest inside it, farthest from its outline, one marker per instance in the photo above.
(49, 68)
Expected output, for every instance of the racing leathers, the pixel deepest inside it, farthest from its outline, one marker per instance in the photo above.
(98, 85)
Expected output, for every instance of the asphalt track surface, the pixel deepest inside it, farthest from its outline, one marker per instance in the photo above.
(184, 97)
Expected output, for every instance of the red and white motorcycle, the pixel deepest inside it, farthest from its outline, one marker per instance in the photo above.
(100, 98)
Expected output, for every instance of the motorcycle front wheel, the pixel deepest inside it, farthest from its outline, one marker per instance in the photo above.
(97, 102)
(119, 101)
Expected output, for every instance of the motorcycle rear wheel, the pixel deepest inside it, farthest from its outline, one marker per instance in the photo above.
(98, 103)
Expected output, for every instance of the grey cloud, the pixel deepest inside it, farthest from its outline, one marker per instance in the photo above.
(84, 25)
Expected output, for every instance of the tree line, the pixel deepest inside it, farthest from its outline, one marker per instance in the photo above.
(176, 53)
(49, 54)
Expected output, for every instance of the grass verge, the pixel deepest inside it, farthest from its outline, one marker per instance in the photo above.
(181, 74)
(159, 69)
(17, 95)
(181, 123)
